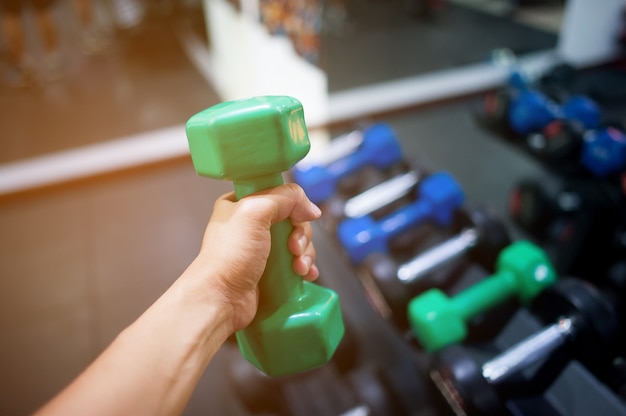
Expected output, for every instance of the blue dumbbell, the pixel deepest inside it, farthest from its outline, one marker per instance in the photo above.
(379, 148)
(582, 109)
(530, 110)
(439, 197)
(561, 140)
(604, 151)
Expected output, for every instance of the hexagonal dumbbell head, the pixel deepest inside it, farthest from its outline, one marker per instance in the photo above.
(604, 151)
(583, 110)
(298, 324)
(492, 237)
(248, 138)
(524, 270)
(531, 111)
(529, 265)
(445, 195)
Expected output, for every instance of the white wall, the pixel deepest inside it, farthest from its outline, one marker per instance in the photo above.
(589, 31)
(248, 61)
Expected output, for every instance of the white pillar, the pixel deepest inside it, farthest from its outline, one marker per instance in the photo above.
(589, 31)
(248, 61)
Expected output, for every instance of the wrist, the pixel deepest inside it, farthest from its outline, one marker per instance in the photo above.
(204, 302)
(199, 288)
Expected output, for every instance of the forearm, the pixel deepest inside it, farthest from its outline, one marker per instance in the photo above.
(153, 366)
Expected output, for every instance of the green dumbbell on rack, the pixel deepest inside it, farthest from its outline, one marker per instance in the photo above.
(298, 324)
(523, 270)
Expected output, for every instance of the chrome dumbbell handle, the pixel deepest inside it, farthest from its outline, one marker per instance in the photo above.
(336, 149)
(380, 195)
(437, 256)
(528, 352)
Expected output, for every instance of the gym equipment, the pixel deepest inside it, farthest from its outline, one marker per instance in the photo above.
(523, 270)
(601, 151)
(579, 220)
(525, 110)
(494, 112)
(380, 195)
(379, 199)
(533, 207)
(390, 297)
(583, 319)
(338, 148)
(559, 142)
(439, 197)
(482, 241)
(379, 148)
(604, 151)
(298, 324)
(582, 110)
(530, 111)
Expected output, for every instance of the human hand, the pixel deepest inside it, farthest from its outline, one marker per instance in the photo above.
(237, 244)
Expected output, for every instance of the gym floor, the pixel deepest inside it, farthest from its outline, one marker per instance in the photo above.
(80, 262)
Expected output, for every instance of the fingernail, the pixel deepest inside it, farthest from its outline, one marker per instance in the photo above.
(307, 261)
(303, 241)
(316, 210)
(314, 271)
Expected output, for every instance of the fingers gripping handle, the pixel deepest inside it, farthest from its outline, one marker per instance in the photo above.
(279, 282)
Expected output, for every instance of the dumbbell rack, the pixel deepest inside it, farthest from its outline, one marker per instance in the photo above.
(586, 220)
(380, 341)
(556, 400)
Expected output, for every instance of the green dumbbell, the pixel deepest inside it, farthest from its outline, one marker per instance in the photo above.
(523, 270)
(298, 324)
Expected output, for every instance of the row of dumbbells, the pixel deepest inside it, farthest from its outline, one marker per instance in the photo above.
(581, 218)
(436, 320)
(392, 248)
(582, 325)
(567, 131)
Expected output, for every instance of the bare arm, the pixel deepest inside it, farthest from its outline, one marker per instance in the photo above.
(153, 366)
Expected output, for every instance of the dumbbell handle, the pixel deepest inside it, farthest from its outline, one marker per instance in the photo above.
(529, 351)
(437, 256)
(485, 294)
(278, 282)
(380, 195)
(337, 149)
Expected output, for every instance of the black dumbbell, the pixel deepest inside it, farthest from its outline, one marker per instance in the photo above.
(482, 238)
(534, 207)
(559, 144)
(375, 198)
(579, 220)
(585, 323)
(389, 296)
(492, 110)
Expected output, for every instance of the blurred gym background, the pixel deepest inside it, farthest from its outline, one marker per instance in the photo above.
(100, 207)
